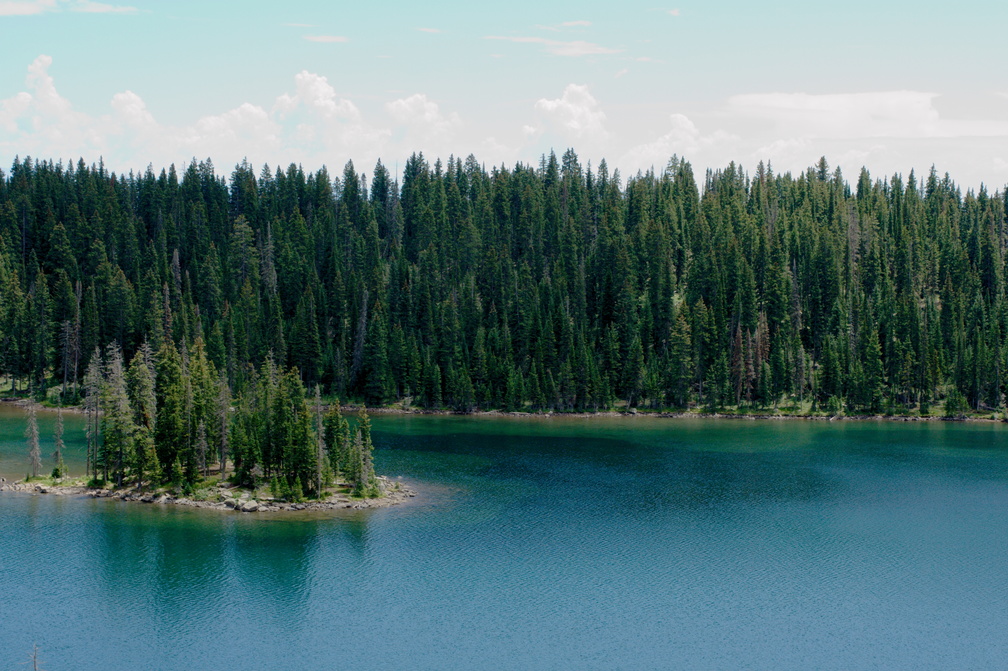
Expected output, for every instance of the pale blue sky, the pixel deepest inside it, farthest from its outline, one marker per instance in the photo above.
(893, 87)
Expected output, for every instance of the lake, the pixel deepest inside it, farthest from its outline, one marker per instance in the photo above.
(597, 543)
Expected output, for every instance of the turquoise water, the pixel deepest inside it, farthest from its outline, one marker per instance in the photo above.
(546, 543)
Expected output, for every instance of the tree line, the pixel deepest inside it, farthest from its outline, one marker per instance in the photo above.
(549, 287)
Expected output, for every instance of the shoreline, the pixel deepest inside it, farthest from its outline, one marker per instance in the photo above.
(221, 497)
(673, 415)
(632, 413)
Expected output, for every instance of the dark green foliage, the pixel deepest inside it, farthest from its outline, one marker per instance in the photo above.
(545, 288)
(955, 404)
(337, 438)
(170, 435)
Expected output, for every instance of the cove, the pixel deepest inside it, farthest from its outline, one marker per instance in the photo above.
(545, 543)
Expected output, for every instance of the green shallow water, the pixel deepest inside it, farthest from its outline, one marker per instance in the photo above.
(545, 543)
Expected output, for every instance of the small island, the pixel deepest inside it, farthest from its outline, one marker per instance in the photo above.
(221, 495)
(166, 429)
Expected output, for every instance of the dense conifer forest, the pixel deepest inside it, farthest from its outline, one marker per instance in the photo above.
(557, 287)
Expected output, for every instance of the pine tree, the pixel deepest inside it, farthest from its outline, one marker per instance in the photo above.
(871, 392)
(140, 379)
(223, 417)
(337, 439)
(92, 405)
(32, 434)
(170, 434)
(376, 368)
(40, 342)
(680, 362)
(117, 416)
(143, 462)
(305, 345)
(201, 447)
(59, 467)
(320, 447)
(368, 482)
(354, 468)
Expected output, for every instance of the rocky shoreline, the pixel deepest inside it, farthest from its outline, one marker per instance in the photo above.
(671, 414)
(223, 497)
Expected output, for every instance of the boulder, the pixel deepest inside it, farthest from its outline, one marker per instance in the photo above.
(230, 503)
(250, 506)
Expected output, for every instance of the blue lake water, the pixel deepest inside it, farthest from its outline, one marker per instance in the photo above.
(544, 543)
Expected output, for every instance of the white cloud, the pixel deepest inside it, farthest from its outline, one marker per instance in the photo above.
(494, 149)
(311, 125)
(415, 108)
(247, 128)
(894, 114)
(622, 72)
(683, 139)
(132, 110)
(326, 39)
(576, 112)
(88, 7)
(560, 48)
(47, 99)
(673, 12)
(423, 114)
(12, 109)
(887, 132)
(47, 117)
(26, 8)
(433, 31)
(32, 7)
(314, 122)
(316, 93)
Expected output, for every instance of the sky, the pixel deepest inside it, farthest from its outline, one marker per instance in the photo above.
(894, 86)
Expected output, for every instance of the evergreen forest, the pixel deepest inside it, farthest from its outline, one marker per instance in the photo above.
(555, 287)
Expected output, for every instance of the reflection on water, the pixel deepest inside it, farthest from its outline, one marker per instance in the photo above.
(549, 543)
(14, 450)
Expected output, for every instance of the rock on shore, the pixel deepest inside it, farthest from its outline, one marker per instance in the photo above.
(223, 497)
